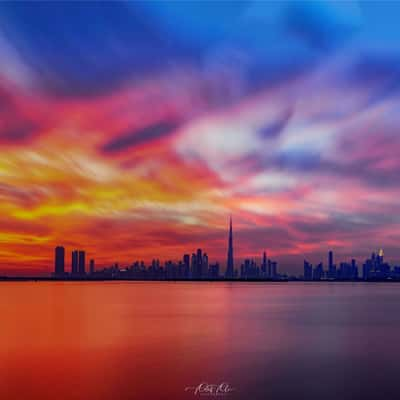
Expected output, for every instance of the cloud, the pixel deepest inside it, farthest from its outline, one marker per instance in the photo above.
(140, 137)
(68, 59)
(275, 128)
(17, 123)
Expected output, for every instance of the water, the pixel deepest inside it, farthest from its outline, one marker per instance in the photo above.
(152, 340)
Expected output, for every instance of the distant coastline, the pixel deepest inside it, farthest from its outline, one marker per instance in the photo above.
(237, 280)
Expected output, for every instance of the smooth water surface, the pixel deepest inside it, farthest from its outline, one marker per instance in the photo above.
(149, 340)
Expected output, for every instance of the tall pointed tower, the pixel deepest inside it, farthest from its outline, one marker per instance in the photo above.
(229, 273)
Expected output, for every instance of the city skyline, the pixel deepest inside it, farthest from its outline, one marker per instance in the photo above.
(143, 132)
(194, 266)
(76, 265)
(198, 266)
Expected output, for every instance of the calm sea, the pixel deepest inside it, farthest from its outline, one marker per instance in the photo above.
(95, 341)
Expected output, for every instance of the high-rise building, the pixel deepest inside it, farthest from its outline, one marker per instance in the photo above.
(274, 269)
(193, 266)
(186, 265)
(249, 270)
(380, 257)
(308, 271)
(229, 263)
(264, 264)
(214, 271)
(375, 267)
(205, 266)
(331, 266)
(318, 272)
(367, 268)
(199, 263)
(344, 271)
(91, 266)
(59, 260)
(81, 262)
(354, 269)
(74, 262)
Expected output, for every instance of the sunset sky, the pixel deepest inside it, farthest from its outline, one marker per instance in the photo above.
(133, 130)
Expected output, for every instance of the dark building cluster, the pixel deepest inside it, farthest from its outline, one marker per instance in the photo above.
(195, 266)
(268, 269)
(345, 271)
(374, 268)
(78, 263)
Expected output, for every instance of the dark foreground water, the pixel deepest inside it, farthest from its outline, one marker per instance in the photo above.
(96, 341)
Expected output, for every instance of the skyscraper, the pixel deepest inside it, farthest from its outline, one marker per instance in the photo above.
(308, 270)
(380, 257)
(74, 263)
(264, 264)
(318, 272)
(229, 264)
(194, 266)
(59, 260)
(199, 263)
(186, 263)
(91, 268)
(205, 266)
(331, 266)
(81, 262)
(274, 266)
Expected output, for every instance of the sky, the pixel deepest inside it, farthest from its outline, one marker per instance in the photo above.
(134, 129)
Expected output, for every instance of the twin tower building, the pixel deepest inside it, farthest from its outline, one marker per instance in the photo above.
(78, 262)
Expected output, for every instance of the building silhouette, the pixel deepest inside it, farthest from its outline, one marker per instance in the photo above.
(375, 268)
(308, 271)
(249, 270)
(91, 266)
(59, 262)
(214, 271)
(186, 265)
(229, 263)
(318, 272)
(264, 264)
(193, 266)
(274, 270)
(199, 264)
(331, 266)
(205, 266)
(81, 262)
(74, 262)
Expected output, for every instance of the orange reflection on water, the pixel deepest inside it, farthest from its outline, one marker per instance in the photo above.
(132, 340)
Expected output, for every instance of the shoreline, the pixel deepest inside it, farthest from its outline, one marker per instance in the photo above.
(119, 279)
